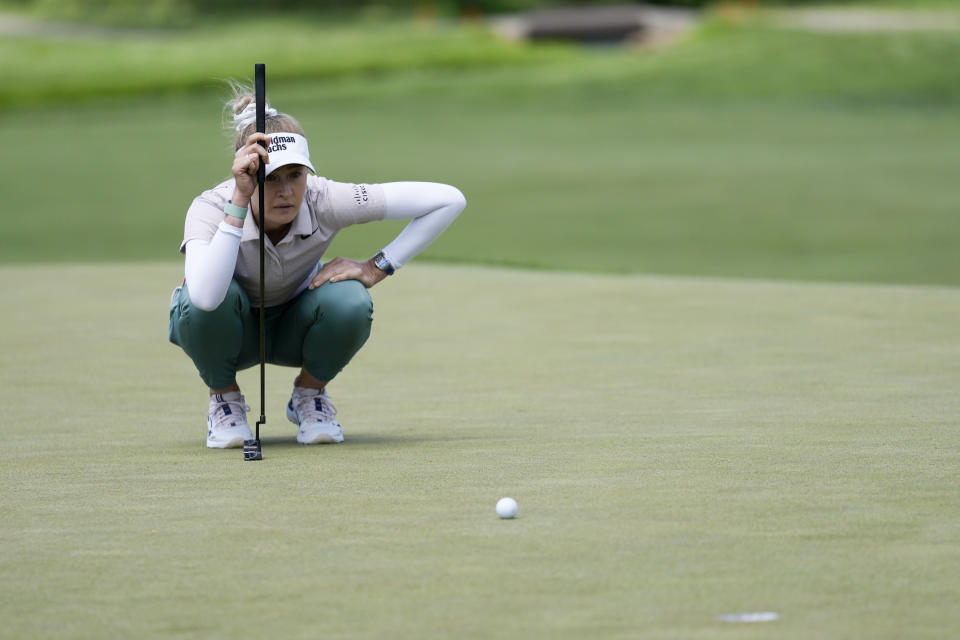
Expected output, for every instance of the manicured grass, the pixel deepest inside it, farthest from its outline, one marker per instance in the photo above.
(680, 449)
(800, 191)
(744, 151)
(730, 55)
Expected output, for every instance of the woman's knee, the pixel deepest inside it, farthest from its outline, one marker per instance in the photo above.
(190, 317)
(234, 302)
(346, 303)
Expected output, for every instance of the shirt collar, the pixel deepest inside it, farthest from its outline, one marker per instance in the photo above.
(301, 226)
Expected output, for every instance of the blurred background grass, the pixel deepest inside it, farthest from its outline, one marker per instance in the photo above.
(748, 147)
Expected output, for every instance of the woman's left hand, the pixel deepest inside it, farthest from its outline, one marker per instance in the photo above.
(340, 269)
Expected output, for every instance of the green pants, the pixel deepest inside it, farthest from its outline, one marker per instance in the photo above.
(320, 330)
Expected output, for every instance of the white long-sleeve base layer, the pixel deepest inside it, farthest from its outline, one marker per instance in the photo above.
(209, 266)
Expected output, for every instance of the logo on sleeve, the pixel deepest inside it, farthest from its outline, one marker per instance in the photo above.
(360, 194)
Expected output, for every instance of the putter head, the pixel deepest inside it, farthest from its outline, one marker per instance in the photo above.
(251, 450)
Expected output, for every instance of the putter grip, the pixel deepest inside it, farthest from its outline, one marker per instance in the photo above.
(259, 73)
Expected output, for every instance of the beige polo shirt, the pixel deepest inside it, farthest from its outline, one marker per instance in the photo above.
(328, 207)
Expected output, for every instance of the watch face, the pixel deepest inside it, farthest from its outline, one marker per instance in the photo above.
(383, 264)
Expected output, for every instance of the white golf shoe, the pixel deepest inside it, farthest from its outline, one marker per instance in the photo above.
(227, 426)
(314, 414)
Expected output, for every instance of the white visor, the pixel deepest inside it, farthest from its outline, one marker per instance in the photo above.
(287, 148)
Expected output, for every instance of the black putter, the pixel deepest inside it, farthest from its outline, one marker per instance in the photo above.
(251, 448)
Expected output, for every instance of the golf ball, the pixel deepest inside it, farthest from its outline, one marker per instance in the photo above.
(506, 508)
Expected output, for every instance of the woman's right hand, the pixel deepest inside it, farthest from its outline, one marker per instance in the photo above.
(245, 166)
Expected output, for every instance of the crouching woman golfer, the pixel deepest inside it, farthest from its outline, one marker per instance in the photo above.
(317, 315)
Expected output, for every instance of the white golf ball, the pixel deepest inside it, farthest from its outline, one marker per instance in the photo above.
(506, 508)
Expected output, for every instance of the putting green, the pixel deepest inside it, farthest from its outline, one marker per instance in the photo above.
(680, 449)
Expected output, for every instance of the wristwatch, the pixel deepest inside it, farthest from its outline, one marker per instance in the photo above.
(383, 264)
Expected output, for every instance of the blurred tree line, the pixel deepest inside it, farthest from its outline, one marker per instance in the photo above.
(160, 11)
(172, 12)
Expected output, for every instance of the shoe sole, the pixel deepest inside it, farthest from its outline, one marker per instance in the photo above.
(230, 438)
(321, 438)
(232, 443)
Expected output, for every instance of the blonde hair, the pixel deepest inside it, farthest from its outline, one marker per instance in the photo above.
(242, 96)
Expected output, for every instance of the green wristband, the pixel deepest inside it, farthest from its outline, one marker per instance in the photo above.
(234, 211)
